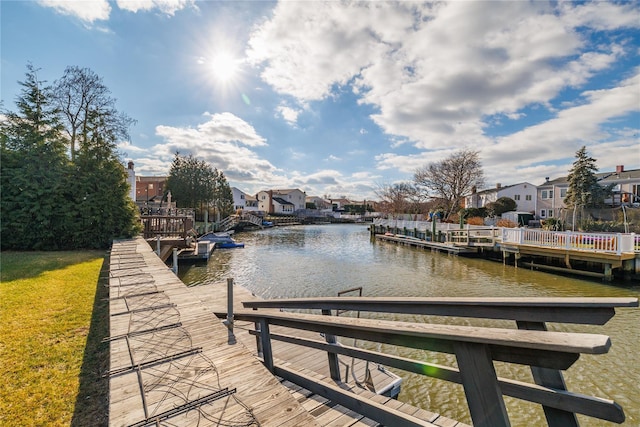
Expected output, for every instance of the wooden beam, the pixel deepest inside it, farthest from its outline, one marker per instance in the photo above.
(582, 310)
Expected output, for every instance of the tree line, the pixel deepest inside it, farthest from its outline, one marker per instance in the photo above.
(440, 188)
(194, 183)
(63, 185)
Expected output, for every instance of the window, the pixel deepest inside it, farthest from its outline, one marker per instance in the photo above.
(516, 197)
(242, 197)
(547, 194)
(527, 197)
(550, 213)
(563, 192)
(543, 213)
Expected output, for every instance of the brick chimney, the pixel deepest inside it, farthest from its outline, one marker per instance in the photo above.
(619, 168)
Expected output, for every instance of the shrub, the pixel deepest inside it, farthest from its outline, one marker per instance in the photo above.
(475, 220)
(506, 223)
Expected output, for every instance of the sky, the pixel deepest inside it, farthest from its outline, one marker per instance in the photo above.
(340, 99)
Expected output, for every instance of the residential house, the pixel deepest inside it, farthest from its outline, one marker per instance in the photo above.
(339, 204)
(281, 201)
(243, 201)
(524, 194)
(150, 188)
(626, 190)
(319, 202)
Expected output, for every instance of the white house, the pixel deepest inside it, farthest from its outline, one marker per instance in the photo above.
(626, 191)
(319, 202)
(281, 201)
(524, 194)
(244, 201)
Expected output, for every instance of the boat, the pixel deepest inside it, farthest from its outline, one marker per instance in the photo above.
(222, 240)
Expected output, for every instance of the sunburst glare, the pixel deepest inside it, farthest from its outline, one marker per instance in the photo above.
(225, 67)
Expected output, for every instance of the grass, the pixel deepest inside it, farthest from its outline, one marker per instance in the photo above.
(52, 319)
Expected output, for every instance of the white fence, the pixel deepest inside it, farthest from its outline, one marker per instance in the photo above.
(616, 243)
(593, 242)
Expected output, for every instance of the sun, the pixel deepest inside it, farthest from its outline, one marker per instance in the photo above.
(224, 67)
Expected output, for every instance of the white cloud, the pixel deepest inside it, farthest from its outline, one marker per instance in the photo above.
(224, 140)
(85, 10)
(436, 72)
(99, 10)
(169, 7)
(290, 115)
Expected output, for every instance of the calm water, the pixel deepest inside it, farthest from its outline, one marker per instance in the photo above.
(322, 260)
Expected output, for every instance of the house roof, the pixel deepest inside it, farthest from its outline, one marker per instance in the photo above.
(282, 201)
(609, 177)
(287, 191)
(496, 189)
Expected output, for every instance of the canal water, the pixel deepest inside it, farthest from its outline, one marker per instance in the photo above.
(321, 260)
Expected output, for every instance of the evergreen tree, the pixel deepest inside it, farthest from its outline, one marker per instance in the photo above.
(49, 202)
(584, 190)
(222, 194)
(33, 165)
(194, 183)
(104, 208)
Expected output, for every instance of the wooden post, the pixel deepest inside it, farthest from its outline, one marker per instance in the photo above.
(480, 383)
(229, 321)
(175, 261)
(334, 368)
(158, 245)
(267, 353)
(550, 378)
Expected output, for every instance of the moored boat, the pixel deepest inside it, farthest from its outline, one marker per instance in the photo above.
(222, 240)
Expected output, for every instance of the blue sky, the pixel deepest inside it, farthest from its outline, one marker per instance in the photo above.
(342, 98)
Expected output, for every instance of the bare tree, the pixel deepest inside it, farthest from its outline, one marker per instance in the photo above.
(83, 99)
(397, 198)
(450, 179)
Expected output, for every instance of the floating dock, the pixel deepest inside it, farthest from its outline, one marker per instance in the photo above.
(425, 244)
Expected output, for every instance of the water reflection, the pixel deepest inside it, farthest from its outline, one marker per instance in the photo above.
(322, 260)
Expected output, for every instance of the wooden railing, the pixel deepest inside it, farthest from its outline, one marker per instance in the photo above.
(166, 226)
(475, 348)
(487, 236)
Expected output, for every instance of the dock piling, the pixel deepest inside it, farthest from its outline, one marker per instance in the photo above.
(229, 321)
(175, 261)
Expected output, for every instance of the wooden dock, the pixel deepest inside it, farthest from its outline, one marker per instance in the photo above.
(580, 253)
(425, 244)
(172, 362)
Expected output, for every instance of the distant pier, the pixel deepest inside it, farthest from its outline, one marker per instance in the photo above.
(590, 254)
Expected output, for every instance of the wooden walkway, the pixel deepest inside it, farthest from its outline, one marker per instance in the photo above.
(173, 363)
(424, 244)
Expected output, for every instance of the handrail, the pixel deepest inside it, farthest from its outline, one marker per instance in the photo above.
(476, 348)
(581, 310)
(554, 398)
(528, 313)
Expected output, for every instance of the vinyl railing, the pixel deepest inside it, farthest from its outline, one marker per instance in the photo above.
(616, 243)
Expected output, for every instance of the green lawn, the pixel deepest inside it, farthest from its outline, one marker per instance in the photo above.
(51, 326)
